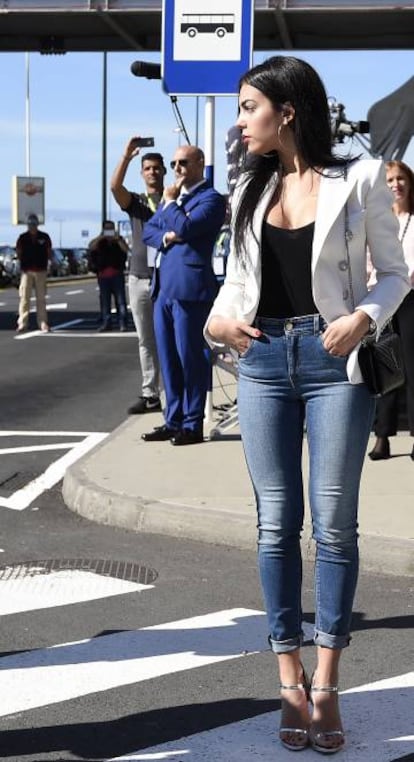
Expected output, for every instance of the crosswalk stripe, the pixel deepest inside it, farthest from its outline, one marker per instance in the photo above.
(377, 717)
(69, 670)
(60, 588)
(24, 433)
(22, 498)
(38, 448)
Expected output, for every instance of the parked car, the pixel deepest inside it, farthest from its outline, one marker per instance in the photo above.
(59, 264)
(79, 261)
(9, 266)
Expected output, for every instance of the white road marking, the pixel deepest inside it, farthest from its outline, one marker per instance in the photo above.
(20, 433)
(72, 293)
(93, 335)
(68, 670)
(3, 304)
(154, 756)
(30, 334)
(66, 325)
(38, 448)
(60, 306)
(60, 588)
(53, 474)
(377, 719)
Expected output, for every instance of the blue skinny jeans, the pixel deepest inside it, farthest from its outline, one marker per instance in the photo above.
(287, 380)
(113, 286)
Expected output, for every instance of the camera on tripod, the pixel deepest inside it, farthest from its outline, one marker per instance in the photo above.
(342, 127)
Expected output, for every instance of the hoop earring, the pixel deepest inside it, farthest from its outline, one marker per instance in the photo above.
(279, 133)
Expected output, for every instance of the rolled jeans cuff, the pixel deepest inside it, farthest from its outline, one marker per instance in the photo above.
(325, 640)
(285, 646)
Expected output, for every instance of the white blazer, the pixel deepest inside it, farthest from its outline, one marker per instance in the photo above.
(371, 222)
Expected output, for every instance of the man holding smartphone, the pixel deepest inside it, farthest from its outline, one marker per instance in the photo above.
(183, 230)
(140, 207)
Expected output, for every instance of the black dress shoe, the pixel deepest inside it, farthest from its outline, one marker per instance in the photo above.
(159, 434)
(187, 437)
(381, 449)
(412, 454)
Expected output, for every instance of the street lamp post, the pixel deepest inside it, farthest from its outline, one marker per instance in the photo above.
(27, 114)
(178, 131)
(60, 220)
(104, 130)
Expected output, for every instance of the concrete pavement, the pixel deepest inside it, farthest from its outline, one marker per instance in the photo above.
(203, 492)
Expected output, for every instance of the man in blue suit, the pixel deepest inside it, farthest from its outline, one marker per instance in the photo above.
(184, 230)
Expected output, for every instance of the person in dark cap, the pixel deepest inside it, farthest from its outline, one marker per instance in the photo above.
(34, 250)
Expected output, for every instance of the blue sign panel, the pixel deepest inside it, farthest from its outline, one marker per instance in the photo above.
(206, 46)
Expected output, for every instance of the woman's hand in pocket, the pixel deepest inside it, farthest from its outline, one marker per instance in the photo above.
(344, 333)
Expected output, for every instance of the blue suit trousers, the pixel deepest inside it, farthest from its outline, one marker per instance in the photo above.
(184, 362)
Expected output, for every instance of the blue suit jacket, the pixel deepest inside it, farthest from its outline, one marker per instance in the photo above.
(185, 270)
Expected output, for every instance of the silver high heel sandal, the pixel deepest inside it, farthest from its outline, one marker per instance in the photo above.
(301, 734)
(315, 738)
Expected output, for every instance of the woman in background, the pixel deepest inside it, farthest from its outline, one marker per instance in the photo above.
(400, 179)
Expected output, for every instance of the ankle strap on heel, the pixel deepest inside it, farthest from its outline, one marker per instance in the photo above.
(324, 688)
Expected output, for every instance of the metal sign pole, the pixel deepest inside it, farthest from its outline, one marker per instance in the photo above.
(209, 131)
(28, 167)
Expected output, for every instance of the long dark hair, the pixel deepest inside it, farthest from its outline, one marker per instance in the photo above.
(407, 171)
(286, 79)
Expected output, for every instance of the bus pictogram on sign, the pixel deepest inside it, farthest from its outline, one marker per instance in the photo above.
(207, 23)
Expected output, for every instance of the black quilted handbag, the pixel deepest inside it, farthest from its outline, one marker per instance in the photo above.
(380, 360)
(381, 363)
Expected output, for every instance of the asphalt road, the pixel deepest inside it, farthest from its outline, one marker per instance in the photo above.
(115, 645)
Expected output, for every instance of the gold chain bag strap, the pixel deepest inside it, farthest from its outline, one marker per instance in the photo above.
(380, 359)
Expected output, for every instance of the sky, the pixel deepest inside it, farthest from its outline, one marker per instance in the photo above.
(66, 124)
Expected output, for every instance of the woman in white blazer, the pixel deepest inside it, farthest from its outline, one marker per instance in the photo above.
(295, 309)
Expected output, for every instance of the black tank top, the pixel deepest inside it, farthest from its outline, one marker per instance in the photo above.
(286, 272)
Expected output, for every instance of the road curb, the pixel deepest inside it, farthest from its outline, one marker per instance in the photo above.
(388, 555)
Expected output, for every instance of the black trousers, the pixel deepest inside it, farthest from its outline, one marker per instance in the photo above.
(386, 420)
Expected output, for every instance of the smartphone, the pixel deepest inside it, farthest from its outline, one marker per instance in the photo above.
(144, 142)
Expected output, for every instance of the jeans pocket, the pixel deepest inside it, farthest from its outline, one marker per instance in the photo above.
(243, 355)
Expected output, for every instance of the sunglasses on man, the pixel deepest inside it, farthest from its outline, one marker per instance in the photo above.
(180, 162)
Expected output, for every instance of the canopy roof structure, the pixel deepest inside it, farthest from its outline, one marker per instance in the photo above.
(53, 26)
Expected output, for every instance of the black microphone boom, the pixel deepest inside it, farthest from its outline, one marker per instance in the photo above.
(145, 69)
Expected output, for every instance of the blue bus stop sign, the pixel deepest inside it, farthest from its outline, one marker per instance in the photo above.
(207, 46)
